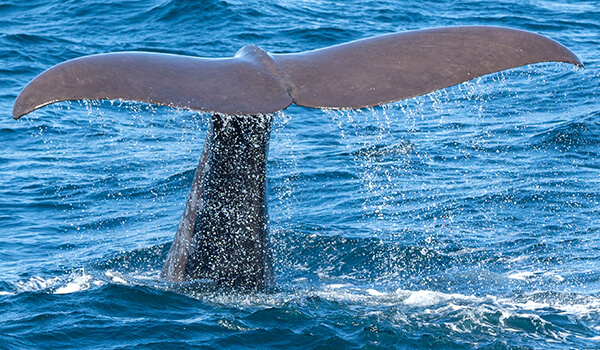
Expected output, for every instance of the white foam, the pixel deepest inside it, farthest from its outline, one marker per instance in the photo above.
(115, 278)
(78, 283)
(582, 309)
(70, 288)
(593, 339)
(576, 307)
(532, 305)
(36, 283)
(374, 292)
(523, 276)
(429, 298)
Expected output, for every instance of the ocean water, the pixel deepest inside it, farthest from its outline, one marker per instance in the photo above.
(468, 218)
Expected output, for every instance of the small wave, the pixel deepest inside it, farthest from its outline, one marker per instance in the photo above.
(568, 135)
(379, 151)
(549, 315)
(566, 303)
(75, 282)
(36, 283)
(180, 11)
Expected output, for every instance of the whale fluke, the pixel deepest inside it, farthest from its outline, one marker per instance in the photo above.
(394, 67)
(238, 85)
(358, 74)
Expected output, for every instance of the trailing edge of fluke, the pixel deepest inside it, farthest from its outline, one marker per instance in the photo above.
(357, 74)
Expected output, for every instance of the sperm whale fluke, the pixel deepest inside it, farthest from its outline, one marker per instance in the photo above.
(222, 235)
(358, 74)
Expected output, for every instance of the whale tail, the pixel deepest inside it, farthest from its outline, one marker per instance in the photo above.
(222, 235)
(358, 74)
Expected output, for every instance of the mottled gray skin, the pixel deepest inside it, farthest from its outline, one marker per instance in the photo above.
(222, 235)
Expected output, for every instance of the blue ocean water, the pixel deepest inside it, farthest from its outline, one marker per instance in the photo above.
(464, 219)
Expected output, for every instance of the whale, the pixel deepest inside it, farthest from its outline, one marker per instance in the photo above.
(222, 236)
